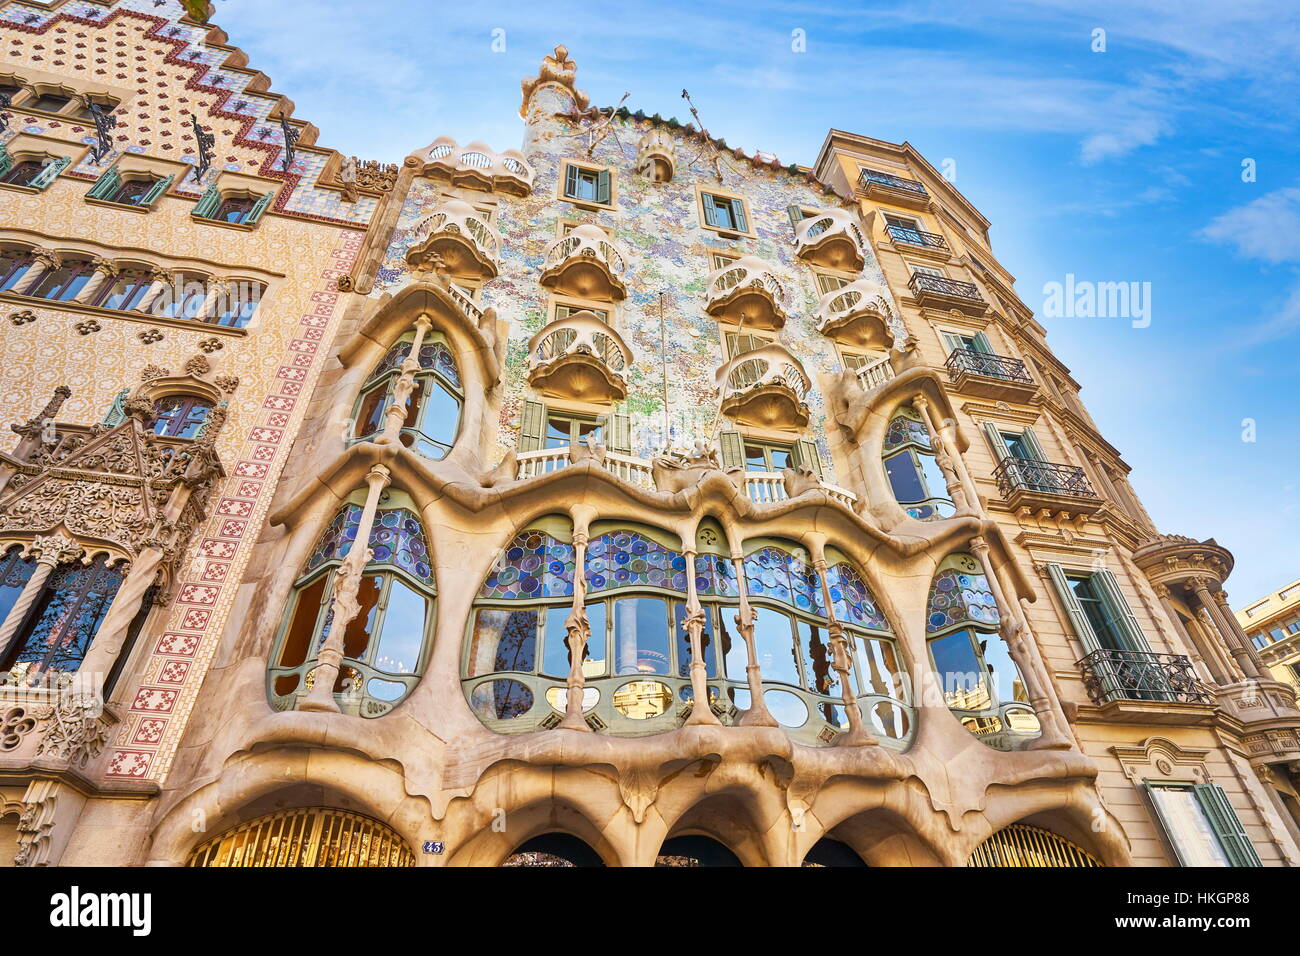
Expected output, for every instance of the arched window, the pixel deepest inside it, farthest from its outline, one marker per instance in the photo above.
(15, 266)
(637, 668)
(828, 852)
(694, 850)
(914, 474)
(554, 849)
(980, 682)
(306, 838)
(385, 645)
(180, 416)
(433, 411)
(15, 571)
(1022, 845)
(61, 623)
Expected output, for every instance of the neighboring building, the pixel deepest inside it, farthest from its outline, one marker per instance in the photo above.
(718, 511)
(1273, 626)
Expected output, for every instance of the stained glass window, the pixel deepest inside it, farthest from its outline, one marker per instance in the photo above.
(852, 599)
(773, 573)
(715, 576)
(626, 559)
(905, 429)
(533, 566)
(960, 595)
(433, 410)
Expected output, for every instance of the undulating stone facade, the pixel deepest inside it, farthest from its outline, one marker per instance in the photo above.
(714, 510)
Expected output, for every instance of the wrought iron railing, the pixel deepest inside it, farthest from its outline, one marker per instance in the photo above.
(971, 362)
(896, 182)
(1110, 675)
(917, 237)
(1025, 474)
(924, 282)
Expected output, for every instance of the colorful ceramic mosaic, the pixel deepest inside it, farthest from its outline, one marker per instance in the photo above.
(715, 576)
(957, 597)
(434, 356)
(396, 538)
(778, 575)
(626, 559)
(533, 566)
(904, 430)
(852, 599)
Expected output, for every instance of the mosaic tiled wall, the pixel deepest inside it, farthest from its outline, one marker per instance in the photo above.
(667, 252)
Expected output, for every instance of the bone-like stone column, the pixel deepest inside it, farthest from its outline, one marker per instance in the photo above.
(946, 459)
(405, 384)
(347, 582)
(578, 629)
(693, 624)
(758, 715)
(857, 735)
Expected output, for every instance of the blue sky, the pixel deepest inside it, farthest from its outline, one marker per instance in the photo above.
(1117, 166)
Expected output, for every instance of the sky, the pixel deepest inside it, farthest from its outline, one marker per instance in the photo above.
(1160, 151)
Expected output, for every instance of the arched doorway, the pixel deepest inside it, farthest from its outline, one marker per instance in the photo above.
(1022, 845)
(307, 837)
(828, 852)
(554, 849)
(695, 851)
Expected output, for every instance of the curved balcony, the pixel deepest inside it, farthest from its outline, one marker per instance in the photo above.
(456, 241)
(766, 387)
(579, 357)
(858, 314)
(747, 293)
(832, 238)
(477, 166)
(585, 263)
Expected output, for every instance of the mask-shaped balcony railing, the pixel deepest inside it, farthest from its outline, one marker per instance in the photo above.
(1110, 675)
(971, 362)
(585, 263)
(765, 487)
(455, 240)
(766, 387)
(748, 293)
(856, 314)
(916, 237)
(1041, 477)
(478, 166)
(633, 470)
(579, 357)
(831, 238)
(874, 374)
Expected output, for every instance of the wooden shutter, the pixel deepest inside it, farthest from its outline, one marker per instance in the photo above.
(619, 433)
(158, 189)
(1120, 612)
(259, 207)
(1227, 825)
(208, 203)
(796, 215)
(710, 209)
(1031, 443)
(804, 454)
(1000, 450)
(732, 444)
(602, 186)
(738, 212)
(571, 181)
(6, 161)
(532, 426)
(51, 172)
(982, 344)
(1082, 628)
(951, 341)
(107, 182)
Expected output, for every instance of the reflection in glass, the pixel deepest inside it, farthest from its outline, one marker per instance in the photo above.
(501, 700)
(641, 636)
(788, 709)
(775, 646)
(643, 699)
(684, 643)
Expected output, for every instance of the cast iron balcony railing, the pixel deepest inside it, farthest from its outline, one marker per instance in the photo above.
(870, 176)
(971, 362)
(917, 237)
(923, 282)
(1042, 477)
(1111, 675)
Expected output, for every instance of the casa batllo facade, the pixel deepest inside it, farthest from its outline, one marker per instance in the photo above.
(617, 498)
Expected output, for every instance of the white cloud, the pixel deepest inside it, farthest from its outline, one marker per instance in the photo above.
(1267, 228)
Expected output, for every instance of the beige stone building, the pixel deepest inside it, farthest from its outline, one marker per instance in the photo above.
(716, 511)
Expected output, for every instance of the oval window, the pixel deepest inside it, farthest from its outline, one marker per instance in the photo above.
(890, 720)
(643, 699)
(501, 699)
(786, 707)
(558, 698)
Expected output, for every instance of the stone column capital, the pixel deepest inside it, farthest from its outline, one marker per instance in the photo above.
(53, 549)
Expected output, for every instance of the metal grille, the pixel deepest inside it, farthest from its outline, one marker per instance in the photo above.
(1021, 845)
(1110, 674)
(992, 366)
(942, 285)
(308, 837)
(1025, 474)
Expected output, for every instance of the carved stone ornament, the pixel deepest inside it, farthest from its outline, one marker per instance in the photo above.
(23, 317)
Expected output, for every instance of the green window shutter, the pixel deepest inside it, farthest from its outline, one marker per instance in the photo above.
(733, 450)
(159, 188)
(602, 186)
(1082, 628)
(1031, 442)
(951, 341)
(1000, 450)
(532, 426)
(6, 161)
(619, 433)
(1120, 612)
(738, 207)
(804, 454)
(208, 203)
(571, 181)
(795, 214)
(51, 172)
(259, 207)
(710, 210)
(1227, 825)
(106, 184)
(982, 344)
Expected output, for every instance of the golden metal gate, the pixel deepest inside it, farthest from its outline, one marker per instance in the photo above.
(307, 837)
(1023, 845)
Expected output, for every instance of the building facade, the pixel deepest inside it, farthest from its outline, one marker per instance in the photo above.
(715, 511)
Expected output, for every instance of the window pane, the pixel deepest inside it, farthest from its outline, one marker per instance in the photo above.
(14, 574)
(641, 636)
(1098, 615)
(905, 478)
(356, 637)
(684, 643)
(501, 638)
(756, 458)
(370, 418)
(556, 663)
(597, 659)
(814, 644)
(302, 627)
(1008, 685)
(959, 671)
(880, 670)
(775, 646)
(440, 415)
(935, 482)
(780, 458)
(1187, 827)
(735, 654)
(558, 432)
(402, 638)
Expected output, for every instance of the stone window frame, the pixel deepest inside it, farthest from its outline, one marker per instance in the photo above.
(590, 167)
(718, 192)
